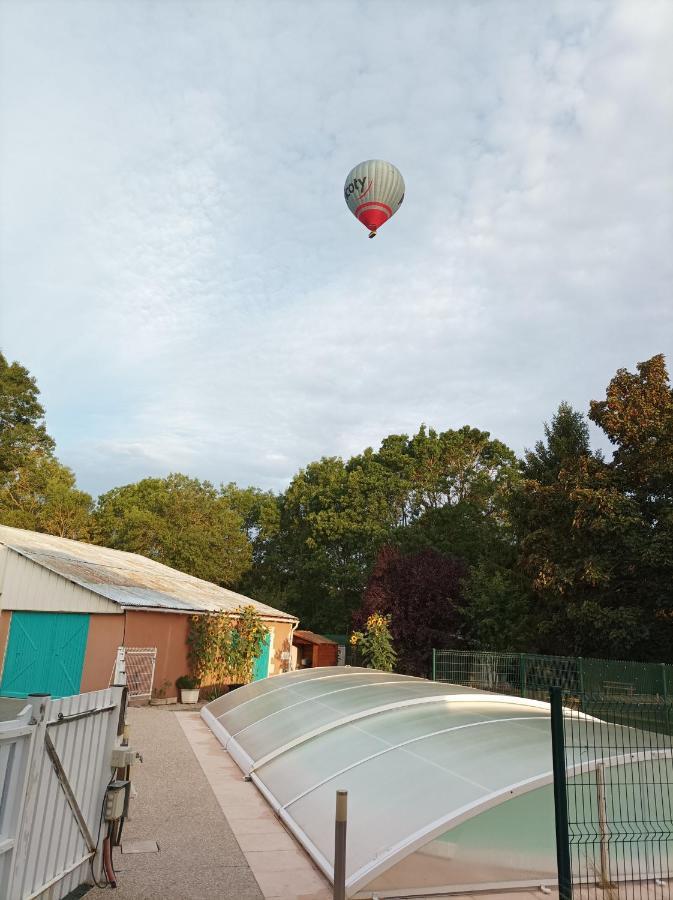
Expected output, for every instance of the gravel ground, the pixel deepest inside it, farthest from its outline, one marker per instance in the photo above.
(199, 857)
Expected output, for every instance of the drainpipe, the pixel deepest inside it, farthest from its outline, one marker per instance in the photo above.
(292, 631)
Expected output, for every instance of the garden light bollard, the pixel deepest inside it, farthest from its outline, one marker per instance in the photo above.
(340, 845)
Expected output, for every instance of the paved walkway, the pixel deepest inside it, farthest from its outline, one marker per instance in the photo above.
(199, 858)
(282, 868)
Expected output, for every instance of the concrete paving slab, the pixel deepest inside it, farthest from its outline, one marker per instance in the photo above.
(140, 847)
(265, 841)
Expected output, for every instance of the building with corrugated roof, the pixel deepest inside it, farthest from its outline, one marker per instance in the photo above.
(66, 608)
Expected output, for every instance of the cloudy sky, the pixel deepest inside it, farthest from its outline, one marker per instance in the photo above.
(180, 272)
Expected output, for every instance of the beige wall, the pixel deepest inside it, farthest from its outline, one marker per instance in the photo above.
(281, 637)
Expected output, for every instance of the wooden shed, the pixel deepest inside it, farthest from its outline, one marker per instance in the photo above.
(314, 650)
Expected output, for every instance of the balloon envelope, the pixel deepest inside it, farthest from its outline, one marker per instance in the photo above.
(373, 191)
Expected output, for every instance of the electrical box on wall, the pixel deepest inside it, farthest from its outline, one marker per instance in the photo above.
(115, 799)
(122, 757)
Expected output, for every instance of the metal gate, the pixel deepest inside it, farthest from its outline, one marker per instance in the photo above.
(55, 766)
(613, 793)
(134, 667)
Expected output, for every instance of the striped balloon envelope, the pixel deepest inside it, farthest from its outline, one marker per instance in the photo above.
(374, 191)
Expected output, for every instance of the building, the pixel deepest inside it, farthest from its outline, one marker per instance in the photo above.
(66, 608)
(311, 650)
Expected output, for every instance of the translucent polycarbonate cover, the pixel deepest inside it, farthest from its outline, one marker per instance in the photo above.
(485, 849)
(330, 753)
(260, 723)
(435, 774)
(408, 788)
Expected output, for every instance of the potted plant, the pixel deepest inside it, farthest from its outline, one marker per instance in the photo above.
(189, 688)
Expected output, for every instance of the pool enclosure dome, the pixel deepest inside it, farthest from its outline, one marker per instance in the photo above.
(450, 788)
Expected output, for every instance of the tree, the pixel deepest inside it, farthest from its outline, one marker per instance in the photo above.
(179, 521)
(36, 491)
(42, 496)
(599, 572)
(421, 592)
(435, 488)
(23, 433)
(637, 416)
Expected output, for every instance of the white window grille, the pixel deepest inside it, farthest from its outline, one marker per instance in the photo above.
(134, 667)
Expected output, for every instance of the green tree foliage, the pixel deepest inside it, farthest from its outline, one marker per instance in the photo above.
(180, 521)
(433, 489)
(594, 537)
(23, 432)
(637, 416)
(36, 491)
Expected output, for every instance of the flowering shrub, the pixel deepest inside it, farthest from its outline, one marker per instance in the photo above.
(376, 643)
(221, 650)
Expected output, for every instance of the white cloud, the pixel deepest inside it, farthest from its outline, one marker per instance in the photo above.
(179, 269)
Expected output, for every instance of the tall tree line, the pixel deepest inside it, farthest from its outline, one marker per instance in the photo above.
(563, 551)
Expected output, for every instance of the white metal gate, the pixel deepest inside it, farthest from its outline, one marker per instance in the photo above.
(134, 667)
(55, 765)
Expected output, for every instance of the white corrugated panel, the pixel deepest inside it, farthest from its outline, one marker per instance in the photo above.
(29, 586)
(52, 850)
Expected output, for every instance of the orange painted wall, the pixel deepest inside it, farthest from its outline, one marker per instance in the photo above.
(106, 634)
(168, 633)
(165, 631)
(5, 620)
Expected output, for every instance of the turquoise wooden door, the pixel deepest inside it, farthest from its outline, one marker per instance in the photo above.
(45, 654)
(261, 667)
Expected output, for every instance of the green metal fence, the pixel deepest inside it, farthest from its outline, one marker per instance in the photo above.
(532, 675)
(613, 793)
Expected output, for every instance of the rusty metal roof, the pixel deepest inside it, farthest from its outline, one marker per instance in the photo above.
(128, 579)
(312, 638)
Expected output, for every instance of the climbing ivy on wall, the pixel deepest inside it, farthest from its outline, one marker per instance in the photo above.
(224, 649)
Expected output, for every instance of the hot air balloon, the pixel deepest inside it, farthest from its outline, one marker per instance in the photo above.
(373, 191)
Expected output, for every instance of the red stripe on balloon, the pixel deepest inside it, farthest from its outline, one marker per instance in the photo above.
(374, 203)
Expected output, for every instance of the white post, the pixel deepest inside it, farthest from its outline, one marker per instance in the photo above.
(39, 702)
(120, 668)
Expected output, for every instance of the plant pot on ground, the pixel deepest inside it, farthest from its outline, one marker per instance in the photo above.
(189, 689)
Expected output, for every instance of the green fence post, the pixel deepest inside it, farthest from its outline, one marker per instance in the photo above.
(522, 674)
(434, 664)
(663, 682)
(560, 795)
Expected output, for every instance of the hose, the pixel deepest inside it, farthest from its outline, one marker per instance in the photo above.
(107, 861)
